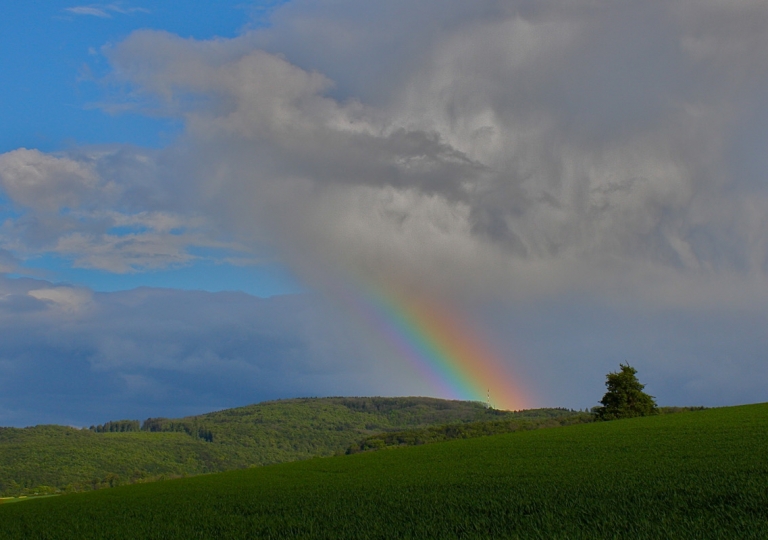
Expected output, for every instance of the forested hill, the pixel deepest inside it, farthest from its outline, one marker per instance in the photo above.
(45, 459)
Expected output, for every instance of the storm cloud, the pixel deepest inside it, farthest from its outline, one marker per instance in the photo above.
(570, 160)
(73, 356)
(522, 146)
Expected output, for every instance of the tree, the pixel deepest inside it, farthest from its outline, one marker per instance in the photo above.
(625, 397)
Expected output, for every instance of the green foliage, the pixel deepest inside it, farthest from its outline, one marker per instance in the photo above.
(36, 460)
(117, 453)
(690, 475)
(520, 421)
(625, 397)
(672, 410)
(121, 426)
(193, 428)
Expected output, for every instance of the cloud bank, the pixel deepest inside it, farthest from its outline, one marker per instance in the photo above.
(512, 152)
(502, 147)
(75, 357)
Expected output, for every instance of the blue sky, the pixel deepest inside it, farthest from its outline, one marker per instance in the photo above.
(52, 67)
(55, 79)
(182, 183)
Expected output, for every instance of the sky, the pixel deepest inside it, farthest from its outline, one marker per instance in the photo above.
(207, 205)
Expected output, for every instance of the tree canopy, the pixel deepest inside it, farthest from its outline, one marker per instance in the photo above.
(625, 397)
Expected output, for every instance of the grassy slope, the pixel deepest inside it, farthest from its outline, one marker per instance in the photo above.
(690, 475)
(519, 421)
(468, 430)
(272, 432)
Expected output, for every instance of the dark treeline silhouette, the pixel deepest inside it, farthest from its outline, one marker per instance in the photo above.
(191, 428)
(118, 426)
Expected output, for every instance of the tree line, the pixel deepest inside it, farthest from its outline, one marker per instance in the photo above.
(156, 425)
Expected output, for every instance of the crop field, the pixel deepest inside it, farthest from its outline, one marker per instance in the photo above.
(701, 474)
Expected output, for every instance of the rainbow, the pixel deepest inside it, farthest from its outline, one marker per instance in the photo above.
(440, 346)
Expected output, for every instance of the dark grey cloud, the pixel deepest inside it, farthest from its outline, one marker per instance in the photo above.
(564, 348)
(74, 356)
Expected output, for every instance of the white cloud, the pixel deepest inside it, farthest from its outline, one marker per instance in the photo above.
(104, 11)
(8, 262)
(47, 183)
(68, 299)
(99, 208)
(88, 10)
(564, 147)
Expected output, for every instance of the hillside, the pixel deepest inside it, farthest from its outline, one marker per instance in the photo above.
(48, 459)
(468, 430)
(695, 474)
(519, 421)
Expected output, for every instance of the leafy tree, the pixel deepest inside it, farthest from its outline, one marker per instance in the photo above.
(625, 397)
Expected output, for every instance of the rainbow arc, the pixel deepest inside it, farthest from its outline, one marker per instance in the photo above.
(444, 349)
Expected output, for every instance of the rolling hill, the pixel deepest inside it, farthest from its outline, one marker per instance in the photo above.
(701, 474)
(51, 459)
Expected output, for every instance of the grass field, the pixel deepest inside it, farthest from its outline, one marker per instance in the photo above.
(700, 474)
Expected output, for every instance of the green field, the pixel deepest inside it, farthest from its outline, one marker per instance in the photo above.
(700, 474)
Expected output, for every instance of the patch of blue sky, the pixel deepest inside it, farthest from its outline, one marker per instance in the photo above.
(8, 210)
(52, 62)
(264, 280)
(220, 253)
(125, 230)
